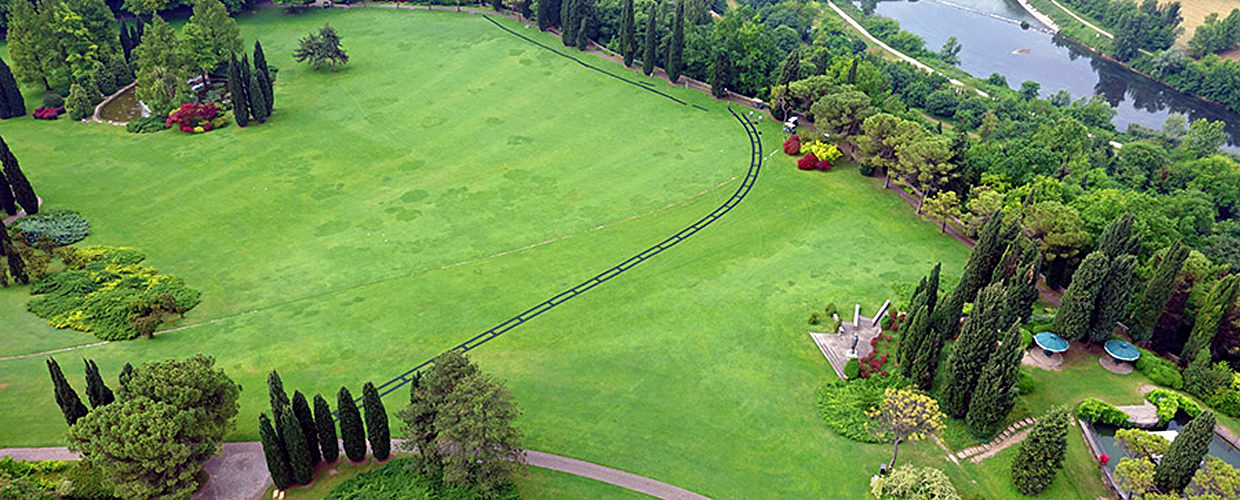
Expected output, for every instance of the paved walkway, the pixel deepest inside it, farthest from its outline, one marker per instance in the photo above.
(239, 472)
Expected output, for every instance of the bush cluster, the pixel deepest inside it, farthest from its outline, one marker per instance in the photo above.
(1170, 402)
(62, 227)
(52, 113)
(146, 124)
(398, 480)
(196, 118)
(1101, 412)
(1160, 371)
(105, 290)
(843, 404)
(792, 146)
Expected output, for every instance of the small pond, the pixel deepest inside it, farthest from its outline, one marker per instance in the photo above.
(1105, 435)
(124, 108)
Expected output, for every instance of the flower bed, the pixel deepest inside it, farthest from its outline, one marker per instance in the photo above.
(195, 118)
(48, 113)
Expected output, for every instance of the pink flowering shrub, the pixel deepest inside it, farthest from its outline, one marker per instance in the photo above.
(193, 118)
(48, 113)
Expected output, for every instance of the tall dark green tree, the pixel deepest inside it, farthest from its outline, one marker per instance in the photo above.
(258, 101)
(1221, 299)
(1149, 305)
(70, 405)
(299, 461)
(910, 342)
(652, 40)
(351, 431)
(377, 431)
(428, 394)
(260, 66)
(991, 245)
(241, 105)
(1117, 238)
(568, 21)
(326, 428)
(972, 350)
(1041, 454)
(274, 452)
(1129, 36)
(583, 32)
(1183, 457)
(309, 431)
(720, 73)
(676, 45)
(96, 391)
(1020, 290)
(7, 202)
(17, 180)
(1076, 310)
(278, 398)
(995, 393)
(1113, 298)
(11, 102)
(628, 33)
(124, 376)
(17, 266)
(924, 358)
(545, 7)
(790, 69)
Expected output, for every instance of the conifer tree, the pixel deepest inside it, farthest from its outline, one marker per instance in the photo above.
(923, 355)
(995, 393)
(241, 108)
(1199, 376)
(274, 452)
(277, 396)
(70, 405)
(910, 343)
(11, 102)
(972, 350)
(544, 15)
(299, 462)
(7, 202)
(309, 431)
(126, 43)
(1221, 299)
(326, 428)
(1153, 299)
(97, 392)
(17, 180)
(720, 73)
(1076, 310)
(932, 287)
(260, 66)
(1117, 239)
(123, 378)
(992, 243)
(258, 102)
(628, 33)
(568, 21)
(583, 38)
(1183, 457)
(17, 267)
(377, 431)
(351, 431)
(1020, 290)
(651, 41)
(1113, 297)
(1041, 454)
(676, 46)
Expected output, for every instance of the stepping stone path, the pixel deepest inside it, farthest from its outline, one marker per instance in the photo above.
(1015, 433)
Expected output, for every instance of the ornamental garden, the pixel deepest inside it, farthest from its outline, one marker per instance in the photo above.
(251, 222)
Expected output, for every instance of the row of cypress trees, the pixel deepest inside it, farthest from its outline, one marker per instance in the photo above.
(15, 189)
(573, 18)
(97, 392)
(12, 104)
(253, 95)
(1101, 287)
(295, 438)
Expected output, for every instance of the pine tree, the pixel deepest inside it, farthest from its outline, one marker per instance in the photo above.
(972, 350)
(241, 108)
(1220, 300)
(309, 432)
(995, 393)
(17, 180)
(326, 428)
(1041, 454)
(1183, 457)
(70, 405)
(1199, 378)
(17, 267)
(568, 22)
(1150, 303)
(11, 102)
(676, 46)
(652, 40)
(96, 391)
(260, 66)
(351, 431)
(1077, 307)
(1117, 239)
(376, 423)
(295, 443)
(258, 102)
(628, 34)
(1113, 298)
(274, 452)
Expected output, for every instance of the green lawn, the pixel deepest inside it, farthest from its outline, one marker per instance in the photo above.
(453, 175)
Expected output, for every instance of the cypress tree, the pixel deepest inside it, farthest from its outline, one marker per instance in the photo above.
(910, 342)
(123, 378)
(295, 443)
(96, 391)
(789, 69)
(277, 396)
(1020, 290)
(922, 358)
(126, 44)
(351, 431)
(260, 66)
(70, 405)
(628, 34)
(10, 94)
(273, 451)
(1199, 376)
(652, 40)
(544, 15)
(376, 423)
(972, 350)
(583, 38)
(1077, 307)
(676, 46)
(309, 431)
(568, 23)
(1150, 303)
(1183, 457)
(241, 108)
(17, 180)
(932, 287)
(246, 75)
(17, 267)
(1041, 454)
(1113, 297)
(258, 103)
(326, 428)
(852, 80)
(7, 202)
(995, 393)
(1221, 299)
(992, 242)
(1117, 239)
(720, 73)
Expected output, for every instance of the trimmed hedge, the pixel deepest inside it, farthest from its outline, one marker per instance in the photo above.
(399, 481)
(1160, 371)
(1101, 412)
(1170, 402)
(843, 404)
(63, 227)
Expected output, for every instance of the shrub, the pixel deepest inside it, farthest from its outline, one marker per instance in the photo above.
(398, 480)
(1024, 383)
(843, 404)
(852, 369)
(1170, 402)
(909, 482)
(53, 100)
(823, 166)
(807, 162)
(866, 169)
(48, 113)
(792, 146)
(822, 151)
(63, 227)
(193, 117)
(146, 124)
(103, 290)
(830, 310)
(80, 104)
(813, 318)
(1227, 400)
(85, 482)
(1160, 371)
(1101, 412)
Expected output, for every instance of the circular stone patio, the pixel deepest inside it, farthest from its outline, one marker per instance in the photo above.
(1123, 368)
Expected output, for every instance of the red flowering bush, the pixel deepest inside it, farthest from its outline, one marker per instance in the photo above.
(792, 146)
(193, 117)
(1103, 459)
(807, 162)
(48, 113)
(823, 165)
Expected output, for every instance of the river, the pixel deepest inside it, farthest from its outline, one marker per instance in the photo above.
(992, 45)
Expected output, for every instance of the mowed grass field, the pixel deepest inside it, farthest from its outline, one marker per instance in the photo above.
(453, 175)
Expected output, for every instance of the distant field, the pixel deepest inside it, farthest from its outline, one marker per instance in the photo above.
(1195, 12)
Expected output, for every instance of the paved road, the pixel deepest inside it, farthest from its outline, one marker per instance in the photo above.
(239, 472)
